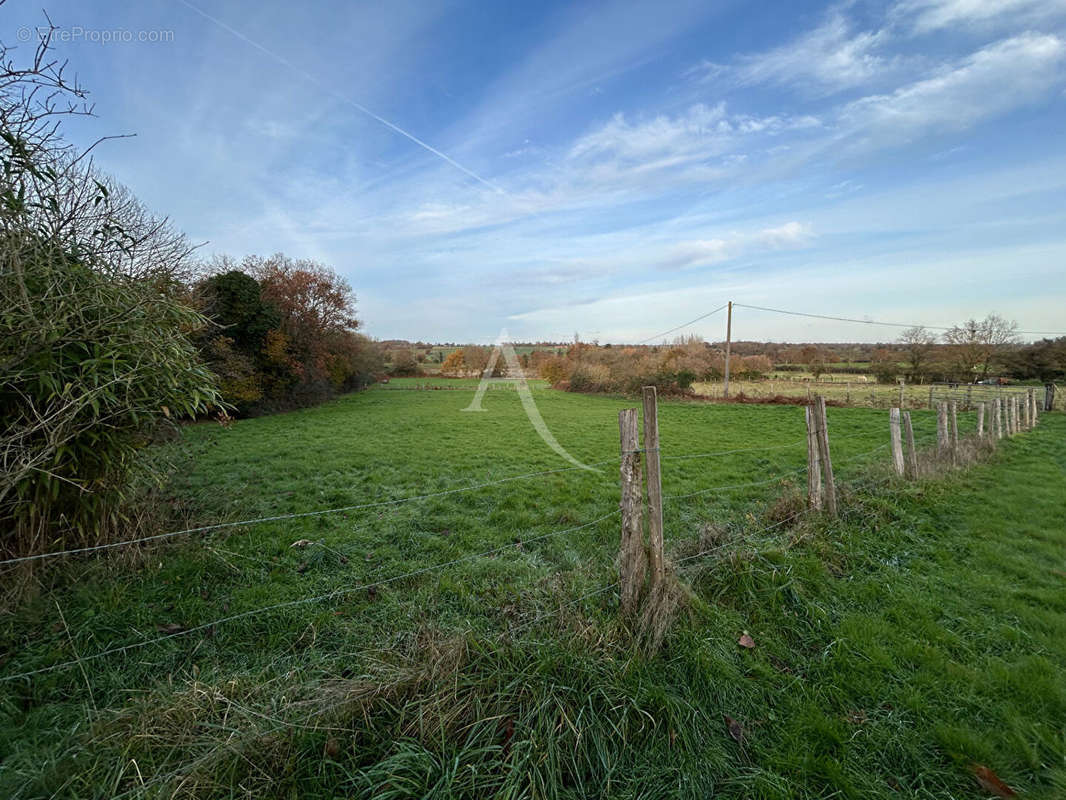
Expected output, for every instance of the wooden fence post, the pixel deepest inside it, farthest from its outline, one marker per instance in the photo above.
(1036, 407)
(941, 429)
(930, 398)
(969, 396)
(823, 454)
(1012, 415)
(980, 420)
(998, 404)
(912, 452)
(901, 384)
(954, 432)
(1023, 404)
(1049, 396)
(896, 438)
(814, 463)
(655, 487)
(632, 560)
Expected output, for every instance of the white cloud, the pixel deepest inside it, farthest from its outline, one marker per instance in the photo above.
(701, 132)
(704, 252)
(998, 78)
(829, 58)
(930, 15)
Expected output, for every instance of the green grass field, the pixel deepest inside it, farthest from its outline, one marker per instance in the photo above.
(922, 633)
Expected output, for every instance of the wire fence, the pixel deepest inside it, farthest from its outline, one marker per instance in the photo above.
(748, 536)
(716, 491)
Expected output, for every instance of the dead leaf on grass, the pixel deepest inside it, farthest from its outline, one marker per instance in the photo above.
(991, 782)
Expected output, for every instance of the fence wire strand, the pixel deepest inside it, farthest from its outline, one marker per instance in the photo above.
(303, 601)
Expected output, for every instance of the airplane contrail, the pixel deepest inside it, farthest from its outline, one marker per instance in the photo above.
(357, 106)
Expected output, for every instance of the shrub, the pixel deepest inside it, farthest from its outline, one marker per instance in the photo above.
(94, 340)
(91, 363)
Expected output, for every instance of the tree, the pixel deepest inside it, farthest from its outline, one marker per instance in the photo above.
(918, 344)
(1044, 360)
(454, 364)
(975, 344)
(885, 365)
(234, 301)
(403, 362)
(317, 319)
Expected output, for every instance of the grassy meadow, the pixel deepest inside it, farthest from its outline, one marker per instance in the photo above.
(921, 634)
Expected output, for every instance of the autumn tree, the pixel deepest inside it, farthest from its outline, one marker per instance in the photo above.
(454, 364)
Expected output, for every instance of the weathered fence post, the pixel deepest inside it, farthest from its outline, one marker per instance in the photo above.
(896, 438)
(632, 559)
(969, 396)
(814, 463)
(901, 393)
(941, 429)
(823, 454)
(1049, 396)
(930, 398)
(1024, 403)
(998, 405)
(655, 487)
(954, 433)
(912, 451)
(1012, 415)
(980, 420)
(1036, 408)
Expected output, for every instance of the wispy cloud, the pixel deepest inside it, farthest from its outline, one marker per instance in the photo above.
(832, 57)
(925, 16)
(705, 252)
(1003, 76)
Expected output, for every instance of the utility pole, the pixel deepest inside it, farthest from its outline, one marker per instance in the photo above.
(728, 342)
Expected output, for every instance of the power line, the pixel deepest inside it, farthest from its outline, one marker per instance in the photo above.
(684, 325)
(877, 322)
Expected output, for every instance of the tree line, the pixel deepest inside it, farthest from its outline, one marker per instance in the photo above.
(974, 351)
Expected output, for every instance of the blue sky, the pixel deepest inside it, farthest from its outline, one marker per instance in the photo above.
(610, 168)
